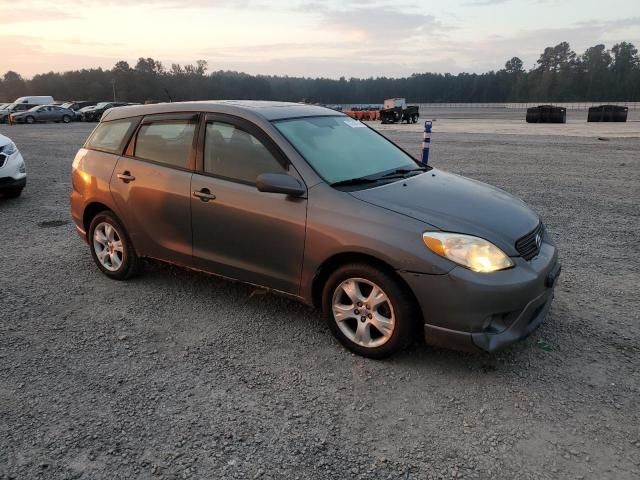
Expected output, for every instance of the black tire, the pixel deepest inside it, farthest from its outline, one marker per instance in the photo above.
(30, 120)
(12, 192)
(66, 118)
(400, 300)
(130, 261)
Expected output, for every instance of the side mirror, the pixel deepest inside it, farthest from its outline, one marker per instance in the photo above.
(280, 183)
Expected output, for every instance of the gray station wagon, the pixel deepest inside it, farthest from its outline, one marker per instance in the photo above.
(310, 203)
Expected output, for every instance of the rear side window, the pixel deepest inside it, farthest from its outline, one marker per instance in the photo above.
(166, 141)
(111, 136)
(237, 155)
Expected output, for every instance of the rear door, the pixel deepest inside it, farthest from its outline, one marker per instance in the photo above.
(56, 113)
(151, 185)
(239, 231)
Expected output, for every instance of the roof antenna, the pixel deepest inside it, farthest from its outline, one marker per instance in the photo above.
(167, 92)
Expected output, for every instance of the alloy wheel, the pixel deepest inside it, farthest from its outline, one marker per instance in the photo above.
(107, 243)
(363, 312)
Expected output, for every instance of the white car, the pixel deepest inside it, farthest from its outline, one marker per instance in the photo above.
(13, 171)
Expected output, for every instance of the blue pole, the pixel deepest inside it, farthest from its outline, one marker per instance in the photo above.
(426, 141)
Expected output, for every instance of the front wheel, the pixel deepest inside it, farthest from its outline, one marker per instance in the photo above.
(111, 248)
(30, 120)
(368, 310)
(66, 118)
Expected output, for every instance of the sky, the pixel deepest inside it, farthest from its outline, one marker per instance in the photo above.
(313, 38)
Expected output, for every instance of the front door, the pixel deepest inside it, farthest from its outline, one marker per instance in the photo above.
(151, 185)
(238, 231)
(46, 114)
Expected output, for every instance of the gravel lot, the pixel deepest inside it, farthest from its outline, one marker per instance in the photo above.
(180, 375)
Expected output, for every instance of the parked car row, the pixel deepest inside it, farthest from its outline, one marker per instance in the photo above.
(37, 109)
(93, 113)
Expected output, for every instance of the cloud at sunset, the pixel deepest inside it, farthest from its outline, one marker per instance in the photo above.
(304, 38)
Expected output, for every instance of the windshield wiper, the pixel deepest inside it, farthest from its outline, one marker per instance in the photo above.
(402, 172)
(399, 172)
(354, 181)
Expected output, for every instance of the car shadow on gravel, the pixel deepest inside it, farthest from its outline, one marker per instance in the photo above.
(292, 318)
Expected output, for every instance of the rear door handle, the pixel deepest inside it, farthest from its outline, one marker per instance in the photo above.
(126, 177)
(204, 194)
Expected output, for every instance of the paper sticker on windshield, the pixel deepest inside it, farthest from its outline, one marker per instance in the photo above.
(354, 123)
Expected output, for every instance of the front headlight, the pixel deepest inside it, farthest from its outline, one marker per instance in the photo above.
(471, 252)
(9, 148)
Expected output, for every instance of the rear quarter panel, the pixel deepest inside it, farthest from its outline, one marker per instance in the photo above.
(90, 177)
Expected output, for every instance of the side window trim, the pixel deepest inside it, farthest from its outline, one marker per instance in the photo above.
(247, 127)
(148, 119)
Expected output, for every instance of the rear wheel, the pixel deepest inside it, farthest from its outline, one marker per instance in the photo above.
(368, 310)
(111, 248)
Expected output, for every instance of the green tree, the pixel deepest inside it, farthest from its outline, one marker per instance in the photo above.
(595, 64)
(625, 62)
(13, 86)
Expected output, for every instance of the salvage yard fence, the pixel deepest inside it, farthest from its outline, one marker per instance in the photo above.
(524, 106)
(504, 105)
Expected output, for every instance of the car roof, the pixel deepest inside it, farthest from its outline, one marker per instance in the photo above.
(266, 109)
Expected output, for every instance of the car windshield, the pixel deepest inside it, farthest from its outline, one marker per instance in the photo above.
(102, 104)
(34, 109)
(66, 105)
(341, 149)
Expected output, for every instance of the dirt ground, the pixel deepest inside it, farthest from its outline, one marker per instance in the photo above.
(181, 375)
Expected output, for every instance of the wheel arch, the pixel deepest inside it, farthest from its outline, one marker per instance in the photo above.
(96, 207)
(336, 261)
(90, 211)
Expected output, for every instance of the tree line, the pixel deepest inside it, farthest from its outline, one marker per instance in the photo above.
(560, 74)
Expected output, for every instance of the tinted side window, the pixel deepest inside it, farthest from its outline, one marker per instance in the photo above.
(111, 136)
(166, 141)
(233, 153)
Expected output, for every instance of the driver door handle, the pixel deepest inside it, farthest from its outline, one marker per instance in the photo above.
(126, 177)
(204, 194)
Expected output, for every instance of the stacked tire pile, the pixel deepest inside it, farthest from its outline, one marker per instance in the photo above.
(608, 113)
(546, 114)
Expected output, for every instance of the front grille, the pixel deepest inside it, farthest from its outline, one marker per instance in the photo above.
(528, 246)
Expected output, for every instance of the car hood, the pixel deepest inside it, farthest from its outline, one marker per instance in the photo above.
(4, 140)
(453, 203)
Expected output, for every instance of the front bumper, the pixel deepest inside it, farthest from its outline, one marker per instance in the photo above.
(10, 175)
(8, 183)
(472, 311)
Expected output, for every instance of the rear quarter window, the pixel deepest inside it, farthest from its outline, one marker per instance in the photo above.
(112, 136)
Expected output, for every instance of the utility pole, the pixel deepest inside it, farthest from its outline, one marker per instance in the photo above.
(113, 86)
